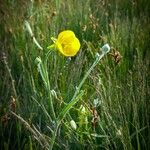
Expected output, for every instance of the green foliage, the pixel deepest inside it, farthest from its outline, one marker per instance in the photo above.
(29, 92)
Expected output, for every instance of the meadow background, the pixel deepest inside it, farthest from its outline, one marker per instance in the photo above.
(121, 88)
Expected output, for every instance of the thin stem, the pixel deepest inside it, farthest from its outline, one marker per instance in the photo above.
(54, 136)
(48, 84)
(11, 77)
(43, 69)
(32, 35)
(87, 74)
(74, 99)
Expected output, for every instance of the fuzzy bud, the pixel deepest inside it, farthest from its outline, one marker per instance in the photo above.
(73, 124)
(105, 49)
(38, 60)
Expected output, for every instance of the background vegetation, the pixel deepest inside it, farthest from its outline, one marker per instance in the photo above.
(120, 85)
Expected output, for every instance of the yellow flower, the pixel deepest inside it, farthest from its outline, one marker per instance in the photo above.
(67, 43)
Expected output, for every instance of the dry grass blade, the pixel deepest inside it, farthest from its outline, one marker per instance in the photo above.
(36, 134)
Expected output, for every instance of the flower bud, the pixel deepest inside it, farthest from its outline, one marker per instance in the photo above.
(54, 93)
(105, 49)
(38, 60)
(73, 124)
(82, 108)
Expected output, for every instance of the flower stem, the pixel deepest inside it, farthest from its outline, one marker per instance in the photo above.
(76, 98)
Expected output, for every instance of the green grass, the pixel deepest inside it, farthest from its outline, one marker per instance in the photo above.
(122, 90)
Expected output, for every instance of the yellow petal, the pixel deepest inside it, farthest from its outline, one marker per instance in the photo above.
(67, 43)
(66, 36)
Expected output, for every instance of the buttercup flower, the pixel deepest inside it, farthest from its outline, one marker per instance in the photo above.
(67, 43)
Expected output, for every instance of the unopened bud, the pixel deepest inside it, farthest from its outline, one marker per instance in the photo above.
(82, 108)
(54, 93)
(38, 60)
(73, 124)
(105, 49)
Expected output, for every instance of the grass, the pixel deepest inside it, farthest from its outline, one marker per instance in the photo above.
(121, 90)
